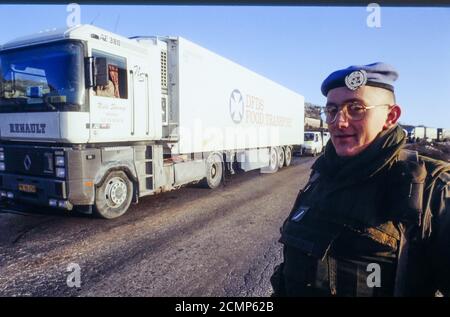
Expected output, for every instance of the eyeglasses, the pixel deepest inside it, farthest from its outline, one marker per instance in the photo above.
(354, 111)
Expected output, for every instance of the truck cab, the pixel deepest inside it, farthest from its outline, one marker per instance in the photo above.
(72, 100)
(314, 142)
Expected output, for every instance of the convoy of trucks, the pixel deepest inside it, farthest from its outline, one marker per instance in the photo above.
(429, 134)
(91, 120)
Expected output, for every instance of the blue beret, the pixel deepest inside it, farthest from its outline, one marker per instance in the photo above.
(377, 74)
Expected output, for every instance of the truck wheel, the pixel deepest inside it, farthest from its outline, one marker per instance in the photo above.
(287, 156)
(281, 157)
(113, 197)
(273, 161)
(214, 171)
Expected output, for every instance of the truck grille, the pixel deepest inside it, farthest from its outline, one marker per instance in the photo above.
(29, 161)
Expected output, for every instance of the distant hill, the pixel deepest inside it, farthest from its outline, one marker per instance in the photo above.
(312, 110)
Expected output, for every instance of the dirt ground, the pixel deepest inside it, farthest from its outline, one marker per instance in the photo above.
(189, 242)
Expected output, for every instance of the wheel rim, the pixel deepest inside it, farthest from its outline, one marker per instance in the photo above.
(281, 160)
(116, 192)
(213, 171)
(273, 159)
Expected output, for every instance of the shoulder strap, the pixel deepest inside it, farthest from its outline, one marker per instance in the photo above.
(312, 179)
(409, 174)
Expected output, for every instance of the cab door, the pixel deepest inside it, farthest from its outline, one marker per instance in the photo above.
(139, 84)
(110, 104)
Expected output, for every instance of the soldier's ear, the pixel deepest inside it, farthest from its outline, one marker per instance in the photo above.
(393, 115)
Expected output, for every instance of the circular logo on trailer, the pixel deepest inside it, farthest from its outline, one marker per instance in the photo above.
(236, 106)
(27, 162)
(356, 79)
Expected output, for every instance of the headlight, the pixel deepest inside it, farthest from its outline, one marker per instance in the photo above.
(63, 204)
(59, 160)
(60, 172)
(2, 166)
(2, 156)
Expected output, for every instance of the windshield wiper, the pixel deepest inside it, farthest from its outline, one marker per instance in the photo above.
(48, 104)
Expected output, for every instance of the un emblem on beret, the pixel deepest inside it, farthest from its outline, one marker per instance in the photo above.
(356, 79)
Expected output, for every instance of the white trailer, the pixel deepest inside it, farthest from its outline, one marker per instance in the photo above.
(431, 134)
(93, 121)
(418, 133)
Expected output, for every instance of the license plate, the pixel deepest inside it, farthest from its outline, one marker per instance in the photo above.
(27, 188)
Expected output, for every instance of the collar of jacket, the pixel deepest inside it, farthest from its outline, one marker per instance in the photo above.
(341, 172)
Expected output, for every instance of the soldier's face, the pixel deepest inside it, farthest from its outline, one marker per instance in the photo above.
(351, 137)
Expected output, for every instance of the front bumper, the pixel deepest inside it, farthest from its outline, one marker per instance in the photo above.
(308, 150)
(45, 190)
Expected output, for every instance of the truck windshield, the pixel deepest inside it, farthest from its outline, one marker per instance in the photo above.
(43, 78)
(309, 136)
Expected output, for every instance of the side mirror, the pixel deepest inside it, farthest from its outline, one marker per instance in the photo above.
(101, 72)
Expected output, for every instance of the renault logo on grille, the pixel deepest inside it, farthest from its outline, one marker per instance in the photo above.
(27, 162)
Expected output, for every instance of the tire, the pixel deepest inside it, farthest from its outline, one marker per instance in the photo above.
(214, 171)
(273, 161)
(281, 157)
(113, 197)
(287, 156)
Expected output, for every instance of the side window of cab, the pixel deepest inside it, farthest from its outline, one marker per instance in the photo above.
(117, 76)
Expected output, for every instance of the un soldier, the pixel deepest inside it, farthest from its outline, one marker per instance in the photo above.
(373, 219)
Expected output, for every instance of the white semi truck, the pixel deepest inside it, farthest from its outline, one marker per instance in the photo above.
(431, 134)
(315, 142)
(417, 133)
(91, 120)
